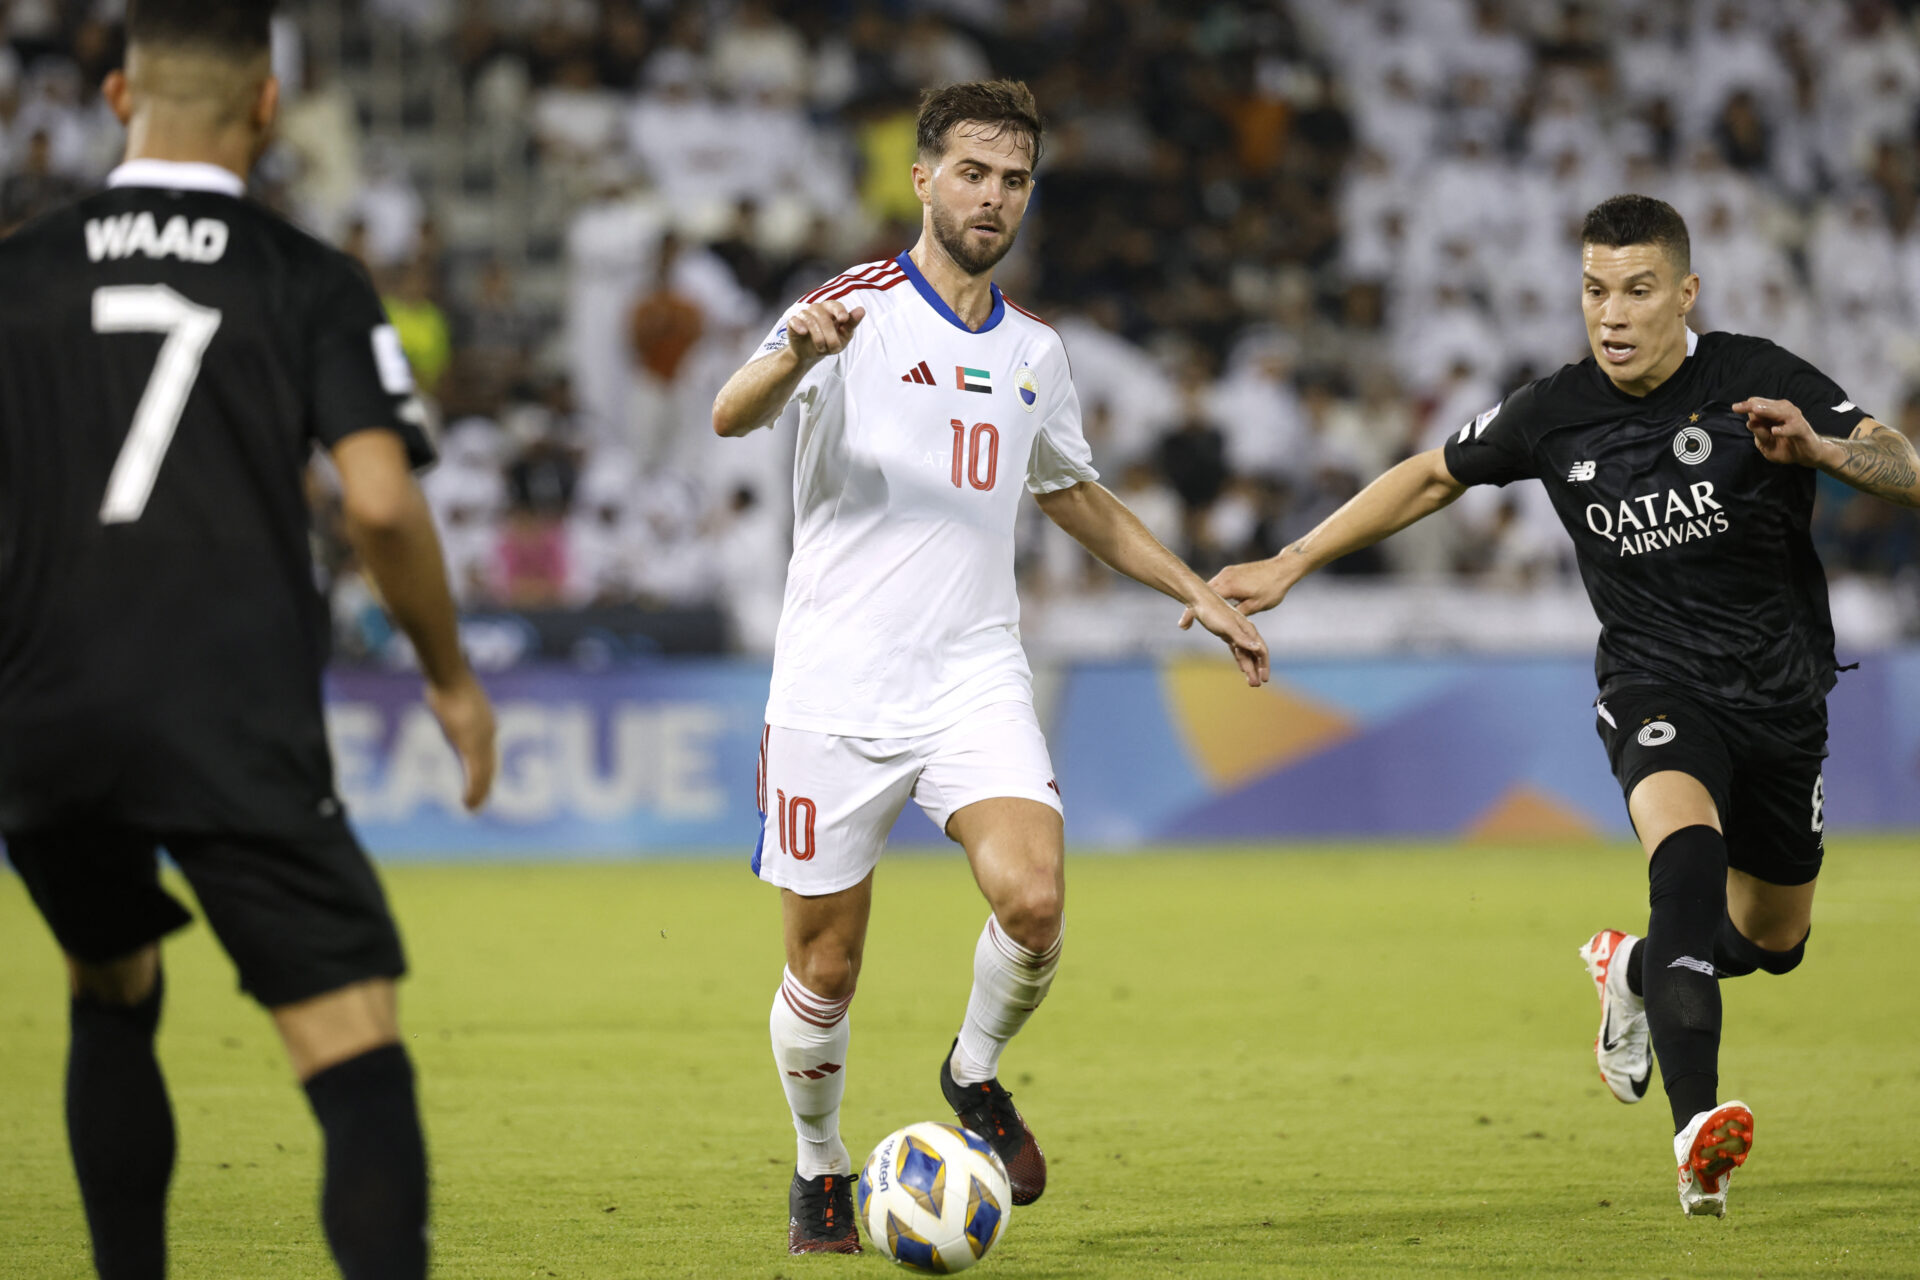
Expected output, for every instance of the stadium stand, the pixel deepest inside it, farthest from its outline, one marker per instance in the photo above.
(1287, 243)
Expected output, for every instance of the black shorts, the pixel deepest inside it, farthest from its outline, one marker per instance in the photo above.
(1763, 771)
(300, 912)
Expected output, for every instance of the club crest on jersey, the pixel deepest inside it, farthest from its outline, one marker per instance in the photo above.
(203, 240)
(1028, 388)
(1692, 445)
(973, 379)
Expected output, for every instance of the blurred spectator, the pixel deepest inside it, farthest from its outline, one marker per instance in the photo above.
(495, 335)
(34, 188)
(1363, 213)
(575, 119)
(390, 208)
(757, 53)
(321, 129)
(424, 335)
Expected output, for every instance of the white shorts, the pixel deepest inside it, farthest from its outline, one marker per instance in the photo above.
(827, 802)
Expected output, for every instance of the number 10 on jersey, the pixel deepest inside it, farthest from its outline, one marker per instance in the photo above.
(970, 449)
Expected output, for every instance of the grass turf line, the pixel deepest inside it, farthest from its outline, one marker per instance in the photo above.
(1352, 1061)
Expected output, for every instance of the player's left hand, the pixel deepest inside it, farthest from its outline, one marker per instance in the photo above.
(466, 717)
(1221, 618)
(1782, 434)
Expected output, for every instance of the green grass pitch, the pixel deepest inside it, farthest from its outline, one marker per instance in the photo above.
(1351, 1061)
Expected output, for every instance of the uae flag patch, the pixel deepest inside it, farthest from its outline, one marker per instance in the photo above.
(973, 379)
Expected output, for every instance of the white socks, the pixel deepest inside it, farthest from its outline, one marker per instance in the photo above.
(810, 1035)
(1009, 982)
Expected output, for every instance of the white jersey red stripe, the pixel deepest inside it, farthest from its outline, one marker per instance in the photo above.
(853, 277)
(901, 616)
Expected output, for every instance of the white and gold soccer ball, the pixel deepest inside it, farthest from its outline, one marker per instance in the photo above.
(933, 1198)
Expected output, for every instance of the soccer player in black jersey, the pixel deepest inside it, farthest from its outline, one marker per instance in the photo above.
(1682, 465)
(170, 355)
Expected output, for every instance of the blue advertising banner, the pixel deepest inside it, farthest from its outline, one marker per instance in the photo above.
(660, 760)
(657, 759)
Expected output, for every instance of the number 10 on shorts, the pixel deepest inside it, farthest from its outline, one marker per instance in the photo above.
(796, 826)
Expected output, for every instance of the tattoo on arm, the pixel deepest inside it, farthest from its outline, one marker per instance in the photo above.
(1881, 461)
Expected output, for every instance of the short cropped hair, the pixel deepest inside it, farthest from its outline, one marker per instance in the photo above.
(1000, 104)
(237, 29)
(1633, 219)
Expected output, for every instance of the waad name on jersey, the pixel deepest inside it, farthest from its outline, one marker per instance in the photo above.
(203, 240)
(1654, 522)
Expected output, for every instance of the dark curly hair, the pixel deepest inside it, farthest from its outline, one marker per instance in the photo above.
(1003, 104)
(239, 29)
(1632, 219)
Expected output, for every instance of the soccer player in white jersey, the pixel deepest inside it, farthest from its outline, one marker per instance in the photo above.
(928, 402)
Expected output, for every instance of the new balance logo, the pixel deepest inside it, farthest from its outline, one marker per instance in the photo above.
(1845, 406)
(1698, 966)
(920, 374)
(821, 1072)
(1581, 473)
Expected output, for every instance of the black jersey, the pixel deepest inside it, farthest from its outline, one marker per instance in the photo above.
(1694, 548)
(170, 353)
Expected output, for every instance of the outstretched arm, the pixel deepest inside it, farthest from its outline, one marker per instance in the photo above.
(1403, 494)
(1102, 524)
(1875, 459)
(760, 388)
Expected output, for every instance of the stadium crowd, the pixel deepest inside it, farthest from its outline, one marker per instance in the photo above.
(1287, 242)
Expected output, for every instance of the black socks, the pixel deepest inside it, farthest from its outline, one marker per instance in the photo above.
(120, 1126)
(1687, 894)
(1734, 956)
(374, 1200)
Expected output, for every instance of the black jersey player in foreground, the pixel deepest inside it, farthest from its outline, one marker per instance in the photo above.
(1682, 466)
(170, 354)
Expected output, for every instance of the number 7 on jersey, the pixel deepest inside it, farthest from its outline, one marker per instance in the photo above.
(152, 308)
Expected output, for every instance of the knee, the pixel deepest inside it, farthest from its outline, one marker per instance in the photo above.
(1779, 950)
(1032, 915)
(829, 970)
(121, 983)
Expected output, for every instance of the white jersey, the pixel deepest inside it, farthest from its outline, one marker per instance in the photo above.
(901, 615)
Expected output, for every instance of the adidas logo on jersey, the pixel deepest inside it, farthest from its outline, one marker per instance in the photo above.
(1582, 472)
(920, 374)
(203, 240)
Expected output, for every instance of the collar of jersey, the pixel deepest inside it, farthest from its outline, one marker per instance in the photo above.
(178, 175)
(939, 303)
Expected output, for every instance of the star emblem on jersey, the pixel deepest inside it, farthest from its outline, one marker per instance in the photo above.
(1581, 473)
(920, 374)
(973, 379)
(1692, 444)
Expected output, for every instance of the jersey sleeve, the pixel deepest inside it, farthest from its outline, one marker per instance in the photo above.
(361, 379)
(1781, 375)
(1061, 457)
(1496, 447)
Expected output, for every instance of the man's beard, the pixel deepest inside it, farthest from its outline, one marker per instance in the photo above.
(969, 255)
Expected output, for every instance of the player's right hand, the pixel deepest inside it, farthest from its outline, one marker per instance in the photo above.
(822, 329)
(466, 717)
(1242, 637)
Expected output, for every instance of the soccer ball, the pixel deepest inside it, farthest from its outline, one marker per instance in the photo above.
(933, 1198)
